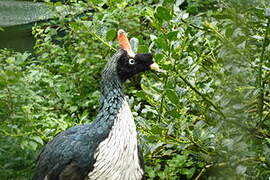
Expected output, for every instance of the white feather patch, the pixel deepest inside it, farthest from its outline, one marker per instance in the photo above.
(117, 156)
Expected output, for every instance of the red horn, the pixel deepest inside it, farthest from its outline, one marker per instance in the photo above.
(124, 42)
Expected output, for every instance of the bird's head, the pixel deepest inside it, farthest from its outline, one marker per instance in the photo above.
(125, 63)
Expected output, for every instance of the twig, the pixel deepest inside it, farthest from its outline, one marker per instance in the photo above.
(103, 41)
(223, 164)
(5, 133)
(203, 96)
(9, 101)
(162, 98)
(260, 74)
(194, 26)
(163, 94)
(197, 145)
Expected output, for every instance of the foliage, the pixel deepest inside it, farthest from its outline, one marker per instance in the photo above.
(206, 117)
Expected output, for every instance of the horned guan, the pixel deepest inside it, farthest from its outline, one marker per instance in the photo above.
(107, 148)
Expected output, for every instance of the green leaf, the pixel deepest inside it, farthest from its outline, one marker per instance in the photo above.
(241, 170)
(24, 144)
(10, 60)
(38, 139)
(98, 2)
(161, 42)
(156, 130)
(84, 116)
(73, 108)
(169, 1)
(229, 32)
(172, 96)
(111, 34)
(163, 13)
(158, 57)
(150, 171)
(32, 145)
(172, 35)
(174, 113)
(143, 49)
(267, 12)
(189, 172)
(22, 57)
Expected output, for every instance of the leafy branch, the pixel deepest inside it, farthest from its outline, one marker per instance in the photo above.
(224, 164)
(203, 96)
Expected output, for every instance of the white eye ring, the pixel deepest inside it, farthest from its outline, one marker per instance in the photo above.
(131, 61)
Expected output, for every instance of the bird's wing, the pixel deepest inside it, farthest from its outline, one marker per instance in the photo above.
(70, 151)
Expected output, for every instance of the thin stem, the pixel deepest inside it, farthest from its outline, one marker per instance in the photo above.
(260, 74)
(224, 164)
(181, 54)
(200, 148)
(203, 96)
(165, 80)
(103, 41)
(194, 26)
(162, 98)
(9, 101)
(5, 133)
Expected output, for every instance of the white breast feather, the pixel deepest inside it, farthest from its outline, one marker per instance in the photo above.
(117, 156)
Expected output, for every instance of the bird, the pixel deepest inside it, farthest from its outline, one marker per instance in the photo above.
(108, 147)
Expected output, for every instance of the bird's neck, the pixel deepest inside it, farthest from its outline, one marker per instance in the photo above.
(117, 154)
(111, 101)
(111, 87)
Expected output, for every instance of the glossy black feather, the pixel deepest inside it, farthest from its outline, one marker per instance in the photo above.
(77, 145)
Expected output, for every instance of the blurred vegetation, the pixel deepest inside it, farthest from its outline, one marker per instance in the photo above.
(207, 117)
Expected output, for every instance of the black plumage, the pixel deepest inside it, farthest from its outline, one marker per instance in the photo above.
(74, 153)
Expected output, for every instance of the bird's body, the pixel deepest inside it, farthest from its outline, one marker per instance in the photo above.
(115, 153)
(106, 148)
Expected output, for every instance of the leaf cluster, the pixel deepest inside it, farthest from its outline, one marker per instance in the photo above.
(206, 117)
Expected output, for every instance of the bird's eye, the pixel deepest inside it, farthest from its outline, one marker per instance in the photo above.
(131, 61)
